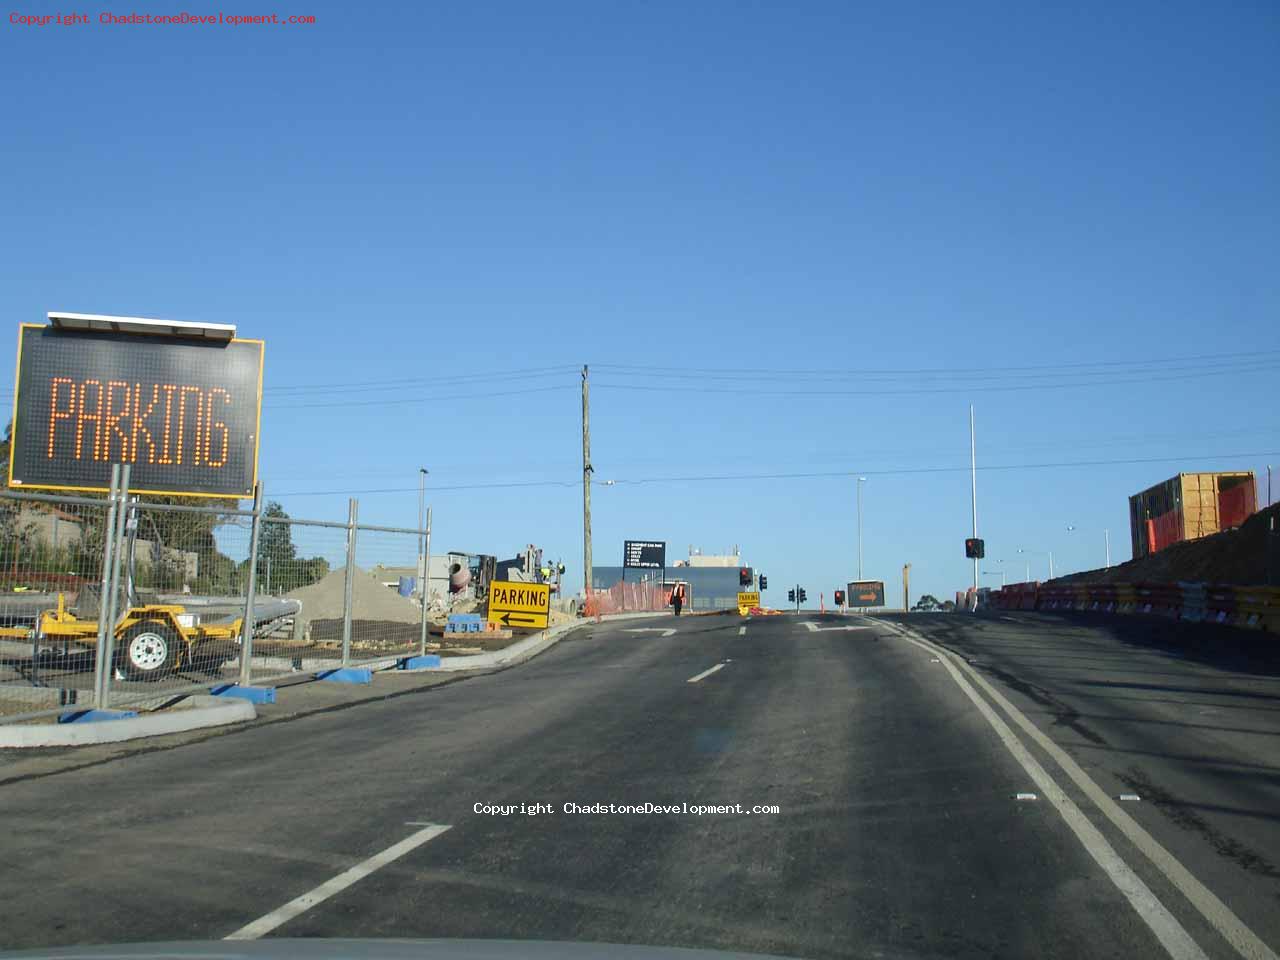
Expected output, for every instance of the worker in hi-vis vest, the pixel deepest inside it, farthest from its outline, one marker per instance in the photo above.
(677, 597)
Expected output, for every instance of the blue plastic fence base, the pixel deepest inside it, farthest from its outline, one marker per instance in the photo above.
(252, 694)
(347, 675)
(95, 716)
(419, 663)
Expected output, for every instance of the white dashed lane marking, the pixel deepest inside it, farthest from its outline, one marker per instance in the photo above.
(705, 673)
(265, 924)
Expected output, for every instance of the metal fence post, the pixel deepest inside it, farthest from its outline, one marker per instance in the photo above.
(100, 666)
(426, 584)
(110, 612)
(247, 627)
(350, 581)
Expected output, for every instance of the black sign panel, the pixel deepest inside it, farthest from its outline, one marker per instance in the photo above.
(184, 413)
(644, 554)
(866, 593)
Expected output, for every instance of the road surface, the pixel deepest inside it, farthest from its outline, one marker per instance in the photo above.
(877, 779)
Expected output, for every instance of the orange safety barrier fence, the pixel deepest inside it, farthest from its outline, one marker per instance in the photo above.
(629, 598)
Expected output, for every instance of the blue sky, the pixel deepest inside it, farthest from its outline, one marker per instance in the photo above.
(418, 206)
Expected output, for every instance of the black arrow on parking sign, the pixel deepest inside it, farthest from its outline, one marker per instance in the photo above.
(516, 619)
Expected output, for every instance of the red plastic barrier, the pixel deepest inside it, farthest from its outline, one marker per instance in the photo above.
(1220, 604)
(1162, 599)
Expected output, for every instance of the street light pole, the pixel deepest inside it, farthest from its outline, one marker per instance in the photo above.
(861, 481)
(1107, 535)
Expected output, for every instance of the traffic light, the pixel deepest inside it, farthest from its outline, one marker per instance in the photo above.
(744, 576)
(791, 596)
(802, 595)
(975, 548)
(839, 598)
(764, 582)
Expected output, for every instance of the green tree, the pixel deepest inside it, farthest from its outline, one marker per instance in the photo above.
(280, 569)
(275, 540)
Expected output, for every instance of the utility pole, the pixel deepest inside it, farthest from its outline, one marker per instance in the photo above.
(973, 481)
(586, 484)
(906, 587)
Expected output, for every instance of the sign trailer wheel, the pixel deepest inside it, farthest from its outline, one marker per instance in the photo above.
(149, 650)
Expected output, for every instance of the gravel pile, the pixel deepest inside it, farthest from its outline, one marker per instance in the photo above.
(370, 599)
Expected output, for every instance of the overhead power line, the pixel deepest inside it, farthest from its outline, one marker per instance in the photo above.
(1139, 363)
(957, 376)
(433, 398)
(431, 381)
(817, 475)
(896, 391)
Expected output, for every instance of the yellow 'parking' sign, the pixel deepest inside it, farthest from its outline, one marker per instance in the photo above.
(519, 604)
(748, 600)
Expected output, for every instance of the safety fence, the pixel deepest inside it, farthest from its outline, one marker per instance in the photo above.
(1255, 608)
(623, 597)
(124, 604)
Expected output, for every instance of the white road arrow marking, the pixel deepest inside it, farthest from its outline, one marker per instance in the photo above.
(814, 628)
(666, 633)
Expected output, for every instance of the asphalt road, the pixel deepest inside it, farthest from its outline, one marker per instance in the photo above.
(897, 831)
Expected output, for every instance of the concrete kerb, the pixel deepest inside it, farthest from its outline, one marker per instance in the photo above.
(200, 710)
(525, 649)
(197, 711)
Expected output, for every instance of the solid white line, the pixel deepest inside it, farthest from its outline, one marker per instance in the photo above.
(1247, 943)
(705, 673)
(275, 918)
(1176, 941)
(742, 631)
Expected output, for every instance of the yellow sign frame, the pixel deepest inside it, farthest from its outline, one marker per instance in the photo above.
(515, 604)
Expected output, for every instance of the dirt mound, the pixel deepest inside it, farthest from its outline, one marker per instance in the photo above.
(370, 600)
(1236, 557)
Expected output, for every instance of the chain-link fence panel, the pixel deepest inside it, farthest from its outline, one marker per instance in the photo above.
(386, 619)
(184, 576)
(50, 592)
(323, 595)
(300, 597)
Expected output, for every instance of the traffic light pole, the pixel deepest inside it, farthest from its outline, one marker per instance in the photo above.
(973, 481)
